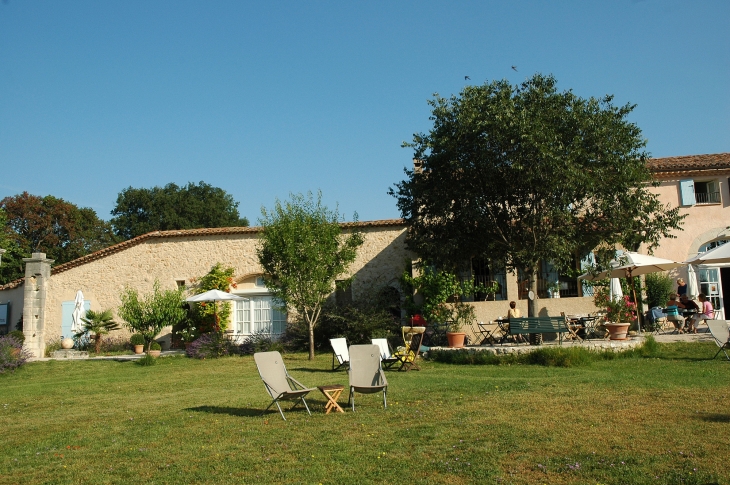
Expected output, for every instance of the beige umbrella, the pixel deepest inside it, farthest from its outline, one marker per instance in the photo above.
(720, 254)
(633, 264)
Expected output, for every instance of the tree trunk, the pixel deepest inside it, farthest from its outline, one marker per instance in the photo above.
(532, 304)
(97, 343)
(535, 338)
(311, 339)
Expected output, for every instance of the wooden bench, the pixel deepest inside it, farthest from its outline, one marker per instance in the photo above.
(528, 325)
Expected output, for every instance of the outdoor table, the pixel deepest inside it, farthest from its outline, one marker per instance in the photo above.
(485, 330)
(437, 335)
(332, 393)
(503, 324)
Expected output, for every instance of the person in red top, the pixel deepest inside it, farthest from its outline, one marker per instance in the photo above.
(417, 320)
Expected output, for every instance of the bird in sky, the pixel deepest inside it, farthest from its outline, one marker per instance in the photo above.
(514, 68)
(467, 78)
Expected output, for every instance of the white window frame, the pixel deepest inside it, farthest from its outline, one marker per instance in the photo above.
(257, 313)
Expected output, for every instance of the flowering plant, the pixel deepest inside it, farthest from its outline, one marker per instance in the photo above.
(619, 310)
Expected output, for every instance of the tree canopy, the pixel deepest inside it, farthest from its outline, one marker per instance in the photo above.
(524, 173)
(139, 211)
(302, 250)
(51, 225)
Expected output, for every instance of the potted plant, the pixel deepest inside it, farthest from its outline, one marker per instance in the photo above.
(187, 335)
(618, 313)
(441, 292)
(137, 342)
(155, 349)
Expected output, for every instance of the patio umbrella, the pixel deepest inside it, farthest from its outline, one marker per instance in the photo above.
(692, 290)
(214, 296)
(78, 313)
(615, 291)
(720, 254)
(634, 264)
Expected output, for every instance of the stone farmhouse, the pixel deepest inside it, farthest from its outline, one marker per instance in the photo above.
(45, 297)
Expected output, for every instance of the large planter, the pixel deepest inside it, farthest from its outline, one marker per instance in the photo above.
(455, 339)
(617, 331)
(155, 353)
(138, 349)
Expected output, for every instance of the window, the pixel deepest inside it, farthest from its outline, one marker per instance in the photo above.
(699, 192)
(483, 274)
(256, 314)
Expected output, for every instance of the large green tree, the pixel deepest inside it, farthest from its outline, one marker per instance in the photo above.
(139, 211)
(524, 173)
(51, 225)
(303, 250)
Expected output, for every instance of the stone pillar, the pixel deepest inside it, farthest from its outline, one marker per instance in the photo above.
(37, 274)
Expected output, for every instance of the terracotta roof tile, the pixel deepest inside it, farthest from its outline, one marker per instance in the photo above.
(690, 163)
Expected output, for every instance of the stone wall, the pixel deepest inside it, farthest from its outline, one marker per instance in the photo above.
(170, 258)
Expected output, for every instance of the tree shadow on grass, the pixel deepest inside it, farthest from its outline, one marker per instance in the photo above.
(249, 412)
(314, 405)
(715, 418)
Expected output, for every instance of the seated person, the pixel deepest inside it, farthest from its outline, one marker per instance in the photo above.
(672, 311)
(708, 313)
(688, 304)
(513, 311)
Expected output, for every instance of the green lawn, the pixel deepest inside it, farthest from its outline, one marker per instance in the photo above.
(637, 420)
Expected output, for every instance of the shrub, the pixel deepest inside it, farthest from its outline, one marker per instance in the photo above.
(545, 356)
(137, 339)
(210, 346)
(154, 345)
(12, 354)
(147, 360)
(19, 335)
(259, 342)
(52, 346)
(115, 344)
(658, 288)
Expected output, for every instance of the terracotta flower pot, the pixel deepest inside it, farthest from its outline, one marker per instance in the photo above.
(617, 331)
(138, 349)
(155, 353)
(455, 339)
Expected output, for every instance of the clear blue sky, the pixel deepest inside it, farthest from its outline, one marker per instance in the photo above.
(267, 98)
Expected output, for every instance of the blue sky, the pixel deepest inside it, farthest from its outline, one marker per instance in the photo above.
(267, 98)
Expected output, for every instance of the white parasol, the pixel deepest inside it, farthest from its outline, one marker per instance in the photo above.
(692, 290)
(616, 292)
(79, 312)
(214, 296)
(720, 254)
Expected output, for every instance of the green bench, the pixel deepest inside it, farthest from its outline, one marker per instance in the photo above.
(528, 325)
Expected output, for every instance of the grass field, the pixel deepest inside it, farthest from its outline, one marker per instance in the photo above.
(636, 420)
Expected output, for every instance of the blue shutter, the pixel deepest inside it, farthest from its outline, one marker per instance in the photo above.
(687, 192)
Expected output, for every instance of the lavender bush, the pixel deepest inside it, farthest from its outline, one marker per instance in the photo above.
(12, 353)
(210, 346)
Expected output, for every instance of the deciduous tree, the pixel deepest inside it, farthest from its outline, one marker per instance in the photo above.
(525, 173)
(302, 250)
(139, 211)
(51, 225)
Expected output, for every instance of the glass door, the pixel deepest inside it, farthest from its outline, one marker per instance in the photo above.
(711, 287)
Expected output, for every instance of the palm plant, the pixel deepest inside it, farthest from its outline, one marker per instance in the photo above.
(100, 323)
